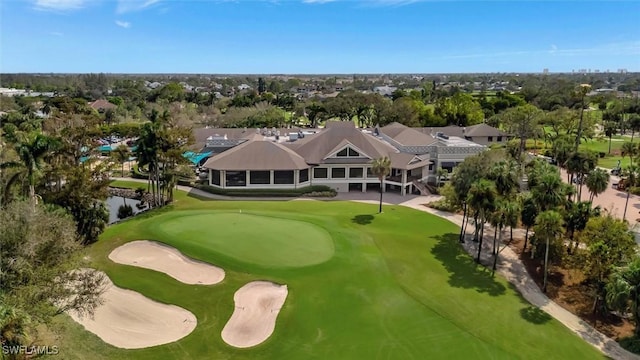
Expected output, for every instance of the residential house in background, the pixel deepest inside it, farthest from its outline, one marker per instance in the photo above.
(102, 105)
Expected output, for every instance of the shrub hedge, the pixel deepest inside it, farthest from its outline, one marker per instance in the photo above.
(314, 190)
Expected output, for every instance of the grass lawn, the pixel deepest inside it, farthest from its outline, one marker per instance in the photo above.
(362, 285)
(602, 145)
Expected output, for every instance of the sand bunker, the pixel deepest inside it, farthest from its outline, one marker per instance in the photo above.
(129, 320)
(159, 257)
(254, 318)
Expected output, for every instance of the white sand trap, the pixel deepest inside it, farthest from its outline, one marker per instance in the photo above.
(254, 318)
(159, 257)
(129, 320)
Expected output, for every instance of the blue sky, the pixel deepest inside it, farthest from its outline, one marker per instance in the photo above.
(321, 36)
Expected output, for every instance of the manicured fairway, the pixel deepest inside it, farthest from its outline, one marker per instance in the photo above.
(398, 286)
(255, 239)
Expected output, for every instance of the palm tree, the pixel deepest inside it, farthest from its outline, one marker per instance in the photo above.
(576, 217)
(31, 149)
(505, 175)
(580, 163)
(573, 165)
(381, 167)
(512, 211)
(581, 91)
(505, 214)
(629, 149)
(147, 152)
(597, 182)
(121, 155)
(482, 199)
(633, 123)
(623, 291)
(549, 192)
(547, 228)
(631, 175)
(528, 215)
(440, 174)
(610, 128)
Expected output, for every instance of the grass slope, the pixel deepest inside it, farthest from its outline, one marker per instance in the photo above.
(398, 287)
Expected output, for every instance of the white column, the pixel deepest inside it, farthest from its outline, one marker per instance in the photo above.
(223, 178)
(270, 177)
(210, 177)
(364, 187)
(296, 178)
(403, 190)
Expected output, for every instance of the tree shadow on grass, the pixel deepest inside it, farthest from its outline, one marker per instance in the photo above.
(534, 315)
(463, 271)
(362, 219)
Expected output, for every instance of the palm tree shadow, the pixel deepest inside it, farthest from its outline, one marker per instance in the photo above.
(534, 315)
(362, 219)
(463, 271)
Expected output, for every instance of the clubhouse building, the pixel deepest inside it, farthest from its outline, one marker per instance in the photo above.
(338, 156)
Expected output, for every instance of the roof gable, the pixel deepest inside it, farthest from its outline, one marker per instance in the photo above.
(344, 150)
(315, 149)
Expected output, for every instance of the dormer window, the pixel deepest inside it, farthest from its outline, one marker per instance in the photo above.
(347, 152)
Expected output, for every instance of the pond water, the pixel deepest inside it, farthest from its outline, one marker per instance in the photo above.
(114, 202)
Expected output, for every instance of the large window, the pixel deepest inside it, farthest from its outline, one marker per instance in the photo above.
(338, 173)
(283, 177)
(320, 173)
(215, 177)
(304, 175)
(260, 177)
(355, 173)
(370, 173)
(236, 178)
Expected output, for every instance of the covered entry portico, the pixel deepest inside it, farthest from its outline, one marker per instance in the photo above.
(405, 170)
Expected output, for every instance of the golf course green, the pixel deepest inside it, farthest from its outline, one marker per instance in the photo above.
(362, 285)
(268, 241)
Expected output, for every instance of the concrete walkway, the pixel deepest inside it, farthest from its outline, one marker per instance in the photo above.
(509, 265)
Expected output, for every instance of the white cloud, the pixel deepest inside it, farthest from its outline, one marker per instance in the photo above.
(56, 33)
(59, 5)
(125, 6)
(123, 24)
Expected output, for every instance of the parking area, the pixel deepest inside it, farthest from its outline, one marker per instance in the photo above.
(613, 200)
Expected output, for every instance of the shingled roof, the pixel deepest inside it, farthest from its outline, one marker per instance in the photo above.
(407, 136)
(102, 104)
(257, 155)
(317, 147)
